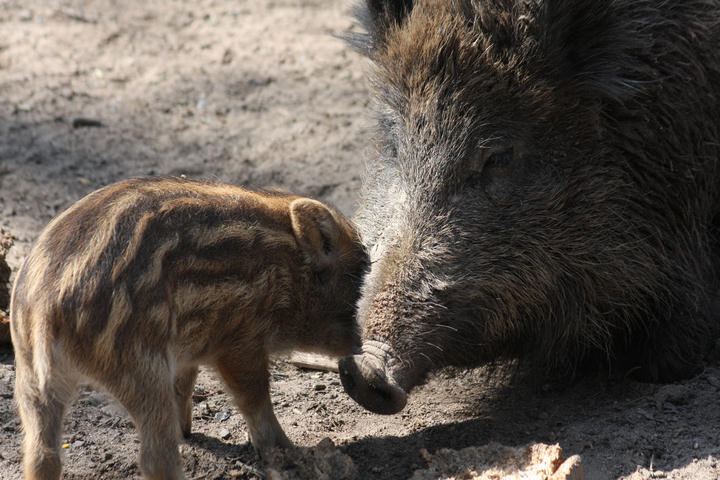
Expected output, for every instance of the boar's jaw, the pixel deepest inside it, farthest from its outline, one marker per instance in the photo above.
(369, 379)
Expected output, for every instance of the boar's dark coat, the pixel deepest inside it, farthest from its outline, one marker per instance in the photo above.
(547, 186)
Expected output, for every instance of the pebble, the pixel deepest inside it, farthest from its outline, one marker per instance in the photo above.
(222, 416)
(677, 395)
(95, 399)
(11, 425)
(273, 474)
(645, 414)
(224, 433)
(713, 380)
(82, 122)
(113, 409)
(25, 16)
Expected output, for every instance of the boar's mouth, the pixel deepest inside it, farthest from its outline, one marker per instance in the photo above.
(368, 379)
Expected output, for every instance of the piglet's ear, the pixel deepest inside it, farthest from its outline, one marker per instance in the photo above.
(316, 231)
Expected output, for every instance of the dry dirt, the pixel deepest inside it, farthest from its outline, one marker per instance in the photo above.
(262, 93)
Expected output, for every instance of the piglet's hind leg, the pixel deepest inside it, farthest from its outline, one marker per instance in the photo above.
(42, 403)
(149, 395)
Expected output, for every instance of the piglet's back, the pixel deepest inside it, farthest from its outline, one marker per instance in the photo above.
(125, 250)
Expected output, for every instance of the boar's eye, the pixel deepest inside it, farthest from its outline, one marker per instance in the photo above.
(495, 172)
(490, 163)
(500, 159)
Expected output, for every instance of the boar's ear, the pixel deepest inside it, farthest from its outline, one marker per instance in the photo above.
(316, 231)
(585, 46)
(376, 17)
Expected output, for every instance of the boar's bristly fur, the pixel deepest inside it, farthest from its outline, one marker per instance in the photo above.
(138, 283)
(547, 186)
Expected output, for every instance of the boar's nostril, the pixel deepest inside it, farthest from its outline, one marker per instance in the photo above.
(346, 377)
(368, 388)
(384, 393)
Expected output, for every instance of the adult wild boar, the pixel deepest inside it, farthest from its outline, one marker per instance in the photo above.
(547, 187)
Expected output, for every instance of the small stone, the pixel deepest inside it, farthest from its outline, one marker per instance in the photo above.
(319, 387)
(82, 122)
(712, 380)
(78, 443)
(224, 433)
(113, 409)
(273, 474)
(95, 399)
(11, 425)
(23, 107)
(228, 56)
(206, 410)
(222, 416)
(645, 414)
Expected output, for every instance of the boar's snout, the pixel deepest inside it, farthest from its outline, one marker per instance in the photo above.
(365, 380)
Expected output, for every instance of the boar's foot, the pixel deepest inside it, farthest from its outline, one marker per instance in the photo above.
(367, 378)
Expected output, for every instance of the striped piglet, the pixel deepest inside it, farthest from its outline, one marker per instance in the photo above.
(138, 283)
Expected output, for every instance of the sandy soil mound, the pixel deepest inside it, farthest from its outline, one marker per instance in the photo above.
(498, 462)
(322, 462)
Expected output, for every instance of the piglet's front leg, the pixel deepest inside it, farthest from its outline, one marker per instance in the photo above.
(248, 380)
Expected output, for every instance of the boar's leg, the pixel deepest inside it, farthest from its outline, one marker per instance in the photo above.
(184, 385)
(42, 395)
(145, 390)
(247, 378)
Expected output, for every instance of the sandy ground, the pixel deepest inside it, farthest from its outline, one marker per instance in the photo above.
(261, 93)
